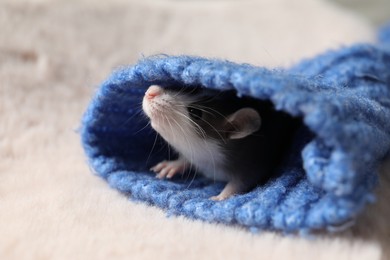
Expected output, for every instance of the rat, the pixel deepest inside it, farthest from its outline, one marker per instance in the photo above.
(236, 140)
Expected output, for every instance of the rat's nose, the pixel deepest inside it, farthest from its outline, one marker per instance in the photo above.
(153, 91)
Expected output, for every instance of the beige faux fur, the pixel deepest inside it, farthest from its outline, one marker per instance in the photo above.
(52, 56)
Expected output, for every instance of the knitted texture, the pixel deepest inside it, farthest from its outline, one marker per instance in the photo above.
(342, 96)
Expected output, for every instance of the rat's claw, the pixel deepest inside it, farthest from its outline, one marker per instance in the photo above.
(230, 189)
(168, 169)
(164, 171)
(157, 168)
(160, 176)
(219, 197)
(171, 173)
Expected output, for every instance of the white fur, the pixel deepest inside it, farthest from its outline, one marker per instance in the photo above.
(169, 117)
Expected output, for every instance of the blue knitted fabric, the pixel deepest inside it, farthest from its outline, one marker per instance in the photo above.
(342, 96)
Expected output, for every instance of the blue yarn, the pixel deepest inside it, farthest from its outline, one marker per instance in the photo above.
(342, 96)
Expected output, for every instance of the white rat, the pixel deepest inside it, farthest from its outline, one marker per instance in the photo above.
(220, 136)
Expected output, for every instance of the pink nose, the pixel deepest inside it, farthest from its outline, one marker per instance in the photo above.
(153, 91)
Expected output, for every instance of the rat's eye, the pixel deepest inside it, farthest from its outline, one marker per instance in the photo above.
(195, 113)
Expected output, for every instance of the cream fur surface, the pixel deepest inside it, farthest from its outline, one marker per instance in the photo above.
(52, 56)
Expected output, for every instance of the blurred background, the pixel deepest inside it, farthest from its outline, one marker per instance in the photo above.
(377, 11)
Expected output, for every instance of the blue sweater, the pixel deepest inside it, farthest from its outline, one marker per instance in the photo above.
(342, 96)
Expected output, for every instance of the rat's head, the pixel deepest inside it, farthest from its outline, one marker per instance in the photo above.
(195, 113)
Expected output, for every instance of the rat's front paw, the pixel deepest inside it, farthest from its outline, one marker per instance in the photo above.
(168, 169)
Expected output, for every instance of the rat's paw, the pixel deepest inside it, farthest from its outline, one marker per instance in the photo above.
(220, 197)
(168, 169)
(232, 188)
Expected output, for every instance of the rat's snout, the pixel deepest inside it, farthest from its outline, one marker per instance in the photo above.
(153, 91)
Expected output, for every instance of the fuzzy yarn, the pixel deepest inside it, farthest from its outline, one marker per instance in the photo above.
(342, 96)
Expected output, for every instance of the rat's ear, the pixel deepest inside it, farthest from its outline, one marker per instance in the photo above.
(242, 123)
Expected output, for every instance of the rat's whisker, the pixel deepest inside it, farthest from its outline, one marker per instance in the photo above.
(188, 143)
(150, 153)
(216, 130)
(137, 113)
(212, 158)
(212, 110)
(201, 131)
(148, 124)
